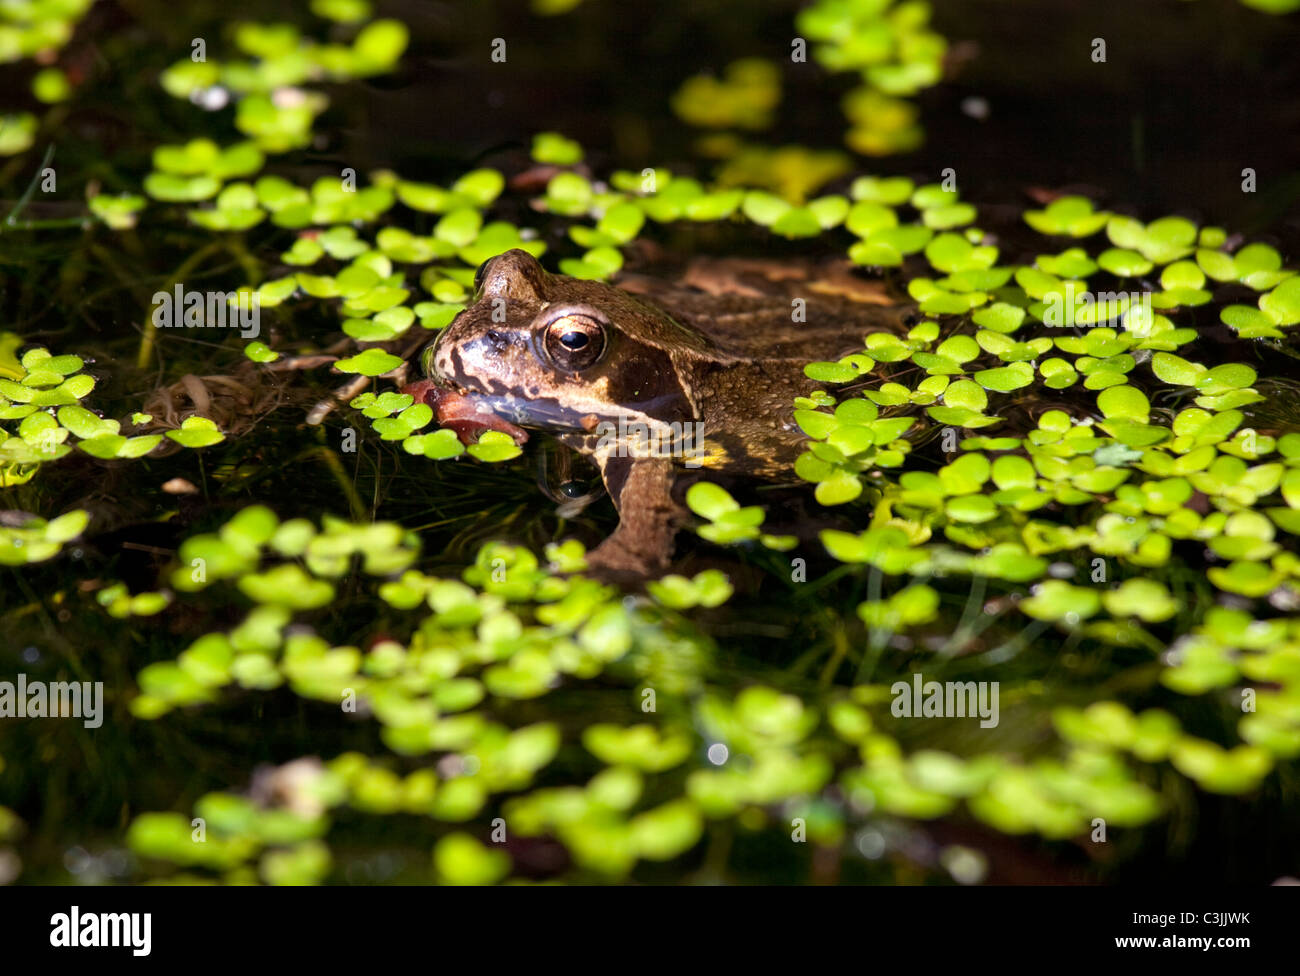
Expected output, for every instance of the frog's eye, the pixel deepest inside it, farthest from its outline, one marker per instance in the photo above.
(573, 341)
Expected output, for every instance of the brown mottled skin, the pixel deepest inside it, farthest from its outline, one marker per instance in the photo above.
(672, 354)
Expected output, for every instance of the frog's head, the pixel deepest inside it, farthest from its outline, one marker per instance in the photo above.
(562, 354)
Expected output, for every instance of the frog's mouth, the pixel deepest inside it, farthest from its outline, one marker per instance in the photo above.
(468, 414)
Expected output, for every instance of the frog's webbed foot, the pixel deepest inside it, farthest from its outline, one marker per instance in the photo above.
(642, 545)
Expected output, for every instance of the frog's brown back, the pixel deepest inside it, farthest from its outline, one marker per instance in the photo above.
(744, 388)
(819, 327)
(765, 310)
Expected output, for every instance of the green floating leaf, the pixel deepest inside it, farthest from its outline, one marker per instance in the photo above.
(1072, 216)
(196, 432)
(370, 362)
(260, 352)
(1218, 770)
(1124, 402)
(710, 501)
(553, 148)
(1060, 601)
(459, 859)
(642, 747)
(1282, 304)
(1004, 379)
(494, 446)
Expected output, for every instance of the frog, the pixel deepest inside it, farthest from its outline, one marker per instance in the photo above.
(654, 381)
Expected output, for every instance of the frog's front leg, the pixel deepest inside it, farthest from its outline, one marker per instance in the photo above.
(648, 517)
